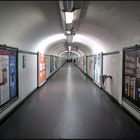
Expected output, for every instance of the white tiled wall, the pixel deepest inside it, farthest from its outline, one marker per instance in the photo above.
(90, 66)
(27, 75)
(111, 66)
(27, 79)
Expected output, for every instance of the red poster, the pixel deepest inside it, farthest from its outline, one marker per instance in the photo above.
(42, 68)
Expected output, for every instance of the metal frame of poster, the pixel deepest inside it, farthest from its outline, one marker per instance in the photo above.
(131, 76)
(8, 76)
(41, 69)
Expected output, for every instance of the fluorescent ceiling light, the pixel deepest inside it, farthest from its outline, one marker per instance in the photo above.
(69, 48)
(68, 32)
(69, 17)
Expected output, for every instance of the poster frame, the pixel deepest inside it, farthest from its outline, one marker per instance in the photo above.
(13, 99)
(130, 101)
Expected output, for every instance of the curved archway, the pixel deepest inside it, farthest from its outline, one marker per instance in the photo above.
(92, 44)
(69, 51)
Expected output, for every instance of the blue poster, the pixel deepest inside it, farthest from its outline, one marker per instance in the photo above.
(12, 76)
(51, 68)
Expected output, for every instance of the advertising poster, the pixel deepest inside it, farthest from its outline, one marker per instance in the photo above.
(127, 85)
(56, 63)
(51, 64)
(81, 64)
(93, 67)
(97, 68)
(8, 82)
(132, 76)
(4, 79)
(138, 80)
(42, 69)
(89, 66)
(12, 76)
(51, 68)
(84, 63)
(54, 66)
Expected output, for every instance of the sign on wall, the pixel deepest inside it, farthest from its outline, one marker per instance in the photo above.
(8, 75)
(131, 76)
(42, 69)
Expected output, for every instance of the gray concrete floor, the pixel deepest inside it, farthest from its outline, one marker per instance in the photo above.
(69, 105)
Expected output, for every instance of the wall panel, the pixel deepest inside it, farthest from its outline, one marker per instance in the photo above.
(90, 66)
(111, 66)
(28, 74)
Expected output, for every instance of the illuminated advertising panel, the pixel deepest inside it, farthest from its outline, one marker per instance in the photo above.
(42, 69)
(8, 76)
(97, 68)
(131, 75)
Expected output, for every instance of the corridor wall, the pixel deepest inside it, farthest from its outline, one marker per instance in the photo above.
(28, 77)
(92, 66)
(27, 73)
(112, 65)
(53, 63)
(98, 66)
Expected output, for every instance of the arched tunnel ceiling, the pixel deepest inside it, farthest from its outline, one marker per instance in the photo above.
(112, 22)
(118, 17)
(59, 47)
(104, 25)
(25, 23)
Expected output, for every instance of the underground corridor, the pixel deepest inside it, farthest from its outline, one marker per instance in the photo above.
(69, 105)
(69, 69)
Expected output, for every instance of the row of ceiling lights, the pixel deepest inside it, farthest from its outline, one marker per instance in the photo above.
(70, 16)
